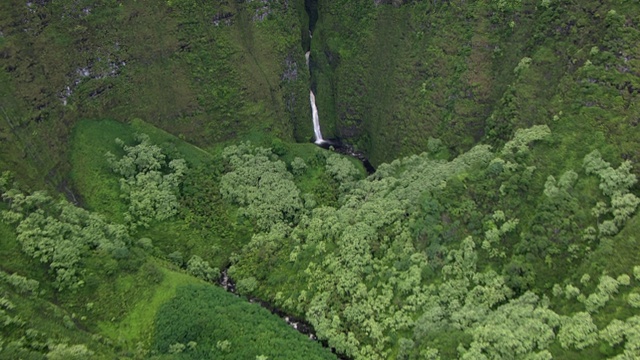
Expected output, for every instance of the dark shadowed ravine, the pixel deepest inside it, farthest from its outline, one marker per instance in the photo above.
(298, 324)
(336, 145)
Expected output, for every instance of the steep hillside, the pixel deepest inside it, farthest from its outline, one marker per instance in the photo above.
(208, 72)
(392, 75)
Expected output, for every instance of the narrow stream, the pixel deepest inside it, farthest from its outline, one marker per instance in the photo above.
(298, 324)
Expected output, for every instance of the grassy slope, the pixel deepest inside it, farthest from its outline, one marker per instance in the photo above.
(138, 324)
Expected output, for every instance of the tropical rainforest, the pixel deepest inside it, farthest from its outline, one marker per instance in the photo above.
(162, 197)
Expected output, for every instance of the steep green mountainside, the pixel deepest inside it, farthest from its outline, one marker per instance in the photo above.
(391, 76)
(208, 72)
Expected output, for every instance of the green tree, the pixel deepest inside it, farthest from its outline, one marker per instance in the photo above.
(578, 331)
(149, 182)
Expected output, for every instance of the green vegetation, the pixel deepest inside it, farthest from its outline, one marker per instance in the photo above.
(151, 149)
(203, 322)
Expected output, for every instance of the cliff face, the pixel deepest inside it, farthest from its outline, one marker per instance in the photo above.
(389, 75)
(393, 75)
(208, 72)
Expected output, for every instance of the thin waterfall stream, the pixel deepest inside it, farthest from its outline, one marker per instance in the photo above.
(333, 144)
(316, 119)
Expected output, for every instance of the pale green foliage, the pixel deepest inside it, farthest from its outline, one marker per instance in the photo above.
(223, 345)
(614, 332)
(594, 301)
(149, 182)
(607, 287)
(362, 257)
(519, 328)
(69, 352)
(404, 348)
(631, 330)
(623, 206)
(7, 319)
(571, 291)
(523, 137)
(560, 188)
(593, 163)
(634, 300)
(260, 183)
(567, 180)
(247, 285)
(614, 183)
(60, 234)
(578, 331)
(200, 268)
(524, 64)
(6, 304)
(600, 209)
(341, 169)
(557, 290)
(550, 187)
(176, 348)
(20, 283)
(608, 228)
(373, 212)
(298, 166)
(624, 279)
(589, 233)
(434, 145)
(585, 279)
(494, 233)
(462, 262)
(430, 354)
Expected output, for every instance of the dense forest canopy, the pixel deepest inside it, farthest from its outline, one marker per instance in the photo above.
(161, 197)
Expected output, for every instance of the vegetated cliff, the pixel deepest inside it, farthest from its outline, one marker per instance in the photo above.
(389, 75)
(208, 72)
(392, 74)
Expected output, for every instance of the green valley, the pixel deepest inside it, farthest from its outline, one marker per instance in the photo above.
(162, 196)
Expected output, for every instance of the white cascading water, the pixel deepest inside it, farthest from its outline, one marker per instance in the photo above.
(316, 119)
(314, 109)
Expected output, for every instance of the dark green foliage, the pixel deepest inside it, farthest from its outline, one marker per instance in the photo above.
(226, 327)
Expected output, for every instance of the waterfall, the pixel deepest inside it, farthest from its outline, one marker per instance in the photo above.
(316, 119)
(335, 144)
(314, 109)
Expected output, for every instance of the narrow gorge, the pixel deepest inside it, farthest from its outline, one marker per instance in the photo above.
(311, 7)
